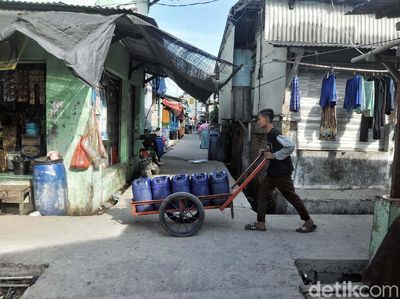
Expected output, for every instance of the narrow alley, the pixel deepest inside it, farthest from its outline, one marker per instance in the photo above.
(139, 137)
(115, 255)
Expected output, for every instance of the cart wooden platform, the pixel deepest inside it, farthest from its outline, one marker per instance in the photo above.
(182, 214)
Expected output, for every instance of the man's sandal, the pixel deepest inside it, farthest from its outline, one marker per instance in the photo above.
(306, 229)
(253, 226)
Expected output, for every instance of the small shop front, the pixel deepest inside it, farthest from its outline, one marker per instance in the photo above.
(22, 117)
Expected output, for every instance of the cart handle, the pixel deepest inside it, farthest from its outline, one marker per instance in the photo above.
(245, 183)
(261, 154)
(247, 170)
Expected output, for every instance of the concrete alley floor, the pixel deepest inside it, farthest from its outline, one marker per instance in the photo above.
(115, 255)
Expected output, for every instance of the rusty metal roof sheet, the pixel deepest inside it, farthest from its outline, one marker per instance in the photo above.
(313, 23)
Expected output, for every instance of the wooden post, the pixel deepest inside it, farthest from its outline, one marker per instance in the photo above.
(395, 190)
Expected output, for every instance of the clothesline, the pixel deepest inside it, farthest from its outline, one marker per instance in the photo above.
(328, 67)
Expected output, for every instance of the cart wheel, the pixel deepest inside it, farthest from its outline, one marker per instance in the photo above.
(181, 214)
(186, 220)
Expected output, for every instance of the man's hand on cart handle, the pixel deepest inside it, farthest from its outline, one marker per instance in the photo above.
(267, 154)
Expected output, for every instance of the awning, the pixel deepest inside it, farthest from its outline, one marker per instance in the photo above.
(82, 42)
(176, 107)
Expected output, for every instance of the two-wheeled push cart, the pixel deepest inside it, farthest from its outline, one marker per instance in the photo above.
(182, 214)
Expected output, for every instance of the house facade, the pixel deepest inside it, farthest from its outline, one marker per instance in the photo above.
(55, 77)
(275, 41)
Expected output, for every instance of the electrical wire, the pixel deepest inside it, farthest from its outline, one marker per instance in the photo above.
(347, 34)
(189, 4)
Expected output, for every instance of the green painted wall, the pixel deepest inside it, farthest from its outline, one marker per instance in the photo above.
(386, 211)
(67, 109)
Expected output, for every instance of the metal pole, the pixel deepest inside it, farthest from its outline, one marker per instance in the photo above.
(395, 190)
(376, 51)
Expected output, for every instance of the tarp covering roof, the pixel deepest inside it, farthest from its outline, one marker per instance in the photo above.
(82, 42)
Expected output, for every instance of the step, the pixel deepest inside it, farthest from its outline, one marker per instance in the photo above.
(318, 201)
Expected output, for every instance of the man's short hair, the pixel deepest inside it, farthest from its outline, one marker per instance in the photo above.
(268, 114)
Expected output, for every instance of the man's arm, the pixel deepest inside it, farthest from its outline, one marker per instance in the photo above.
(287, 148)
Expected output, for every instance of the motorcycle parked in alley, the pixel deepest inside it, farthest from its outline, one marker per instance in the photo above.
(149, 162)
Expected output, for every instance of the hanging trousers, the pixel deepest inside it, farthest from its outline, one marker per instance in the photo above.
(284, 184)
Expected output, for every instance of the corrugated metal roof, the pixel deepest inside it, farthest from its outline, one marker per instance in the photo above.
(319, 24)
(60, 6)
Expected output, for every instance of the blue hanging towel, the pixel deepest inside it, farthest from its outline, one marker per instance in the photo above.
(295, 95)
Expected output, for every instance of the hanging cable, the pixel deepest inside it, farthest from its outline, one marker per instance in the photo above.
(347, 34)
(189, 4)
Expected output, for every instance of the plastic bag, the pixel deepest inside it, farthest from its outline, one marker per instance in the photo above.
(80, 160)
(91, 141)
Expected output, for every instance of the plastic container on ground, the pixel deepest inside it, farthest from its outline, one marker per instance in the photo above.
(160, 188)
(141, 189)
(224, 147)
(212, 146)
(159, 146)
(50, 186)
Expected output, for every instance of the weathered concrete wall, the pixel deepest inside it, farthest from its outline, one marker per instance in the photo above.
(342, 170)
(273, 80)
(67, 109)
(225, 95)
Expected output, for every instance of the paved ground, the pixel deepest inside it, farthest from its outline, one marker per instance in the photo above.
(117, 256)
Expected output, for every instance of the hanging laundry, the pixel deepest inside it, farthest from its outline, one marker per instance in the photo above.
(166, 119)
(367, 109)
(354, 94)
(366, 124)
(390, 94)
(328, 91)
(368, 105)
(379, 107)
(174, 125)
(295, 95)
(328, 127)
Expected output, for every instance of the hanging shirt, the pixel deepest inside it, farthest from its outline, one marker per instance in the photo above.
(390, 95)
(379, 107)
(369, 98)
(295, 95)
(328, 91)
(354, 93)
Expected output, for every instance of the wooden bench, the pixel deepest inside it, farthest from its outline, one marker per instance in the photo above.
(17, 194)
